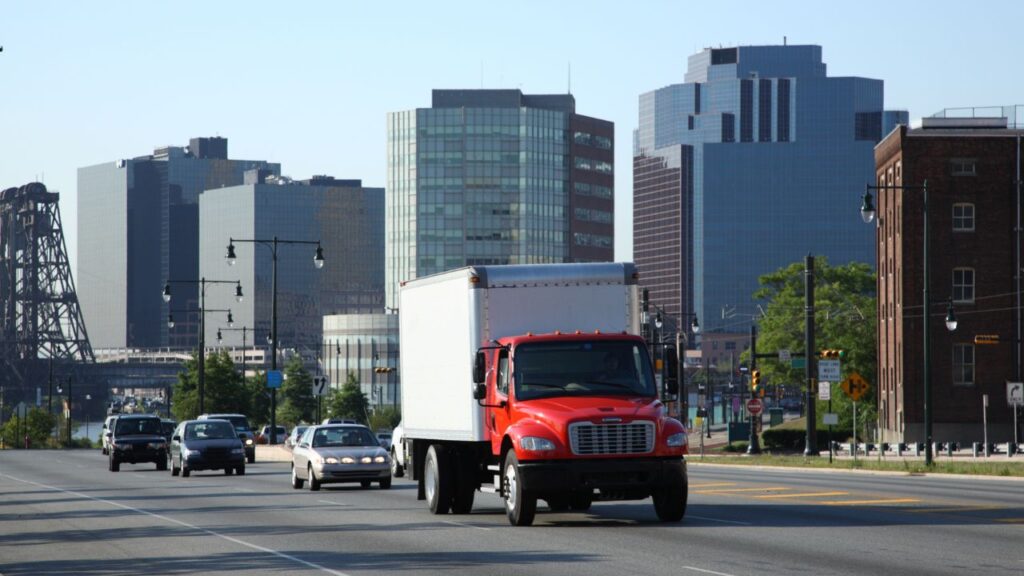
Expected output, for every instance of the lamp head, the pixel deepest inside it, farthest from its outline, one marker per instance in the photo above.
(950, 317)
(231, 253)
(694, 326)
(318, 259)
(867, 208)
(170, 320)
(238, 292)
(167, 292)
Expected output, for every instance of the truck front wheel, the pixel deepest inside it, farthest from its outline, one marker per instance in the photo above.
(438, 479)
(520, 505)
(670, 502)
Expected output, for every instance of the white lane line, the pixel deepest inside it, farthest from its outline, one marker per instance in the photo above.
(719, 520)
(186, 525)
(464, 525)
(332, 502)
(707, 571)
(243, 490)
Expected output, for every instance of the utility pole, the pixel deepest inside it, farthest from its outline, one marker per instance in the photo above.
(811, 448)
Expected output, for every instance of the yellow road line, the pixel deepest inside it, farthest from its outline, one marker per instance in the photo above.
(731, 490)
(804, 495)
(869, 502)
(1011, 520)
(712, 484)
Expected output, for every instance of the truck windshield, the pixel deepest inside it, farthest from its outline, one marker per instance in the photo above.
(582, 368)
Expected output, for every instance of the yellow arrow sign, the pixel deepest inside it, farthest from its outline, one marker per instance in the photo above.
(855, 386)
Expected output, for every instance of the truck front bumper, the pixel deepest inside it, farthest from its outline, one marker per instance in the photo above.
(612, 474)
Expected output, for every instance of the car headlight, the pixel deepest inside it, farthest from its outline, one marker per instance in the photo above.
(536, 444)
(237, 450)
(156, 445)
(366, 459)
(122, 446)
(676, 440)
(193, 453)
(380, 459)
(348, 460)
(331, 460)
(248, 441)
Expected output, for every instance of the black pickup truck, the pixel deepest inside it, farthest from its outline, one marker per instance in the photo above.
(137, 439)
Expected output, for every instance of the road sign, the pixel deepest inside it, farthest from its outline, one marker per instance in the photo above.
(828, 371)
(855, 386)
(830, 419)
(1015, 393)
(754, 406)
(986, 338)
(784, 356)
(797, 363)
(274, 378)
(320, 387)
(824, 390)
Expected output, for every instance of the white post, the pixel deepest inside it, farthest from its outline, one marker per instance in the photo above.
(984, 419)
(855, 431)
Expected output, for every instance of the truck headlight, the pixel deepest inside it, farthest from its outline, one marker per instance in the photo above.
(536, 444)
(676, 440)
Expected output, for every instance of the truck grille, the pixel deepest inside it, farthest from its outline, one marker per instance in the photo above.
(587, 439)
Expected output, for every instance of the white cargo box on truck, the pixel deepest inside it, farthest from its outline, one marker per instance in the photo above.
(446, 317)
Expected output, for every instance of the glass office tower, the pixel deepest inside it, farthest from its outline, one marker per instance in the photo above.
(756, 160)
(348, 220)
(138, 226)
(496, 177)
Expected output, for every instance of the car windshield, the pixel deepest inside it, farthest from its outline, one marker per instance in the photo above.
(167, 427)
(299, 430)
(241, 423)
(338, 437)
(129, 426)
(582, 368)
(210, 430)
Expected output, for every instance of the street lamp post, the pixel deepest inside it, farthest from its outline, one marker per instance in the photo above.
(680, 350)
(867, 212)
(244, 330)
(202, 282)
(318, 262)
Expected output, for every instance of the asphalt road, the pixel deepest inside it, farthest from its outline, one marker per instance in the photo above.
(62, 512)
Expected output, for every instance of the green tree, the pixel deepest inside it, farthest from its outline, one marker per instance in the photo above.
(224, 389)
(259, 399)
(296, 402)
(845, 319)
(349, 401)
(385, 418)
(37, 424)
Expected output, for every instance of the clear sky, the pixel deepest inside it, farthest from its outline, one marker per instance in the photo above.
(308, 84)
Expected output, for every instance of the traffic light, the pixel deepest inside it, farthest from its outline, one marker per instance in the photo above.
(833, 354)
(755, 382)
(383, 370)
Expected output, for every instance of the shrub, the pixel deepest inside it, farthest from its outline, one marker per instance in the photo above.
(791, 440)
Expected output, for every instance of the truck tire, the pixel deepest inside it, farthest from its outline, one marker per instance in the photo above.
(396, 469)
(438, 479)
(581, 502)
(670, 502)
(465, 486)
(560, 503)
(520, 505)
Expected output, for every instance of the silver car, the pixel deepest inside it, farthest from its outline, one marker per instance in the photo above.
(336, 453)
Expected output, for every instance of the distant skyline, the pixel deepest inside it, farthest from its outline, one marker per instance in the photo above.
(309, 86)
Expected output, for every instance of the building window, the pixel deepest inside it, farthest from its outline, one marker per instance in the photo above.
(963, 285)
(963, 364)
(963, 217)
(962, 167)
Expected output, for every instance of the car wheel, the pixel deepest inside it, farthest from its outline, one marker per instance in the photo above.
(228, 470)
(162, 464)
(251, 458)
(396, 469)
(174, 469)
(437, 479)
(103, 450)
(115, 464)
(240, 470)
(385, 483)
(520, 505)
(296, 481)
(365, 483)
(314, 484)
(185, 472)
(670, 502)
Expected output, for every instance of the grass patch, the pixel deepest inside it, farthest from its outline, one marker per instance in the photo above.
(1015, 469)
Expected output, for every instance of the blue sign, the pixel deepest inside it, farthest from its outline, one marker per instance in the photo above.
(274, 378)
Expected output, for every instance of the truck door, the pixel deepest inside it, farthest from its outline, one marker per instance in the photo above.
(498, 418)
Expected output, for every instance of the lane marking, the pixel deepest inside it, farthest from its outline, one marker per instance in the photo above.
(869, 502)
(734, 490)
(719, 520)
(953, 509)
(334, 503)
(1011, 520)
(463, 525)
(706, 571)
(243, 490)
(186, 525)
(804, 495)
(712, 484)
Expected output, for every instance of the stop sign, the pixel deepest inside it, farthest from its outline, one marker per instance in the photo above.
(754, 406)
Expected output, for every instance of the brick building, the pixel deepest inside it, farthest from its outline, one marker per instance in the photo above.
(972, 167)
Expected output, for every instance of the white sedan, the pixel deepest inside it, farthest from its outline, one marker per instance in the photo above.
(336, 453)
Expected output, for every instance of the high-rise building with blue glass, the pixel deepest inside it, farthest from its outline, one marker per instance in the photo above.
(347, 219)
(757, 159)
(138, 226)
(496, 177)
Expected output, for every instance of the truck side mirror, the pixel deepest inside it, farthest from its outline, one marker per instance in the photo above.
(671, 371)
(479, 369)
(479, 391)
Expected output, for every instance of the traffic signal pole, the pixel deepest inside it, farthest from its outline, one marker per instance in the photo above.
(754, 445)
